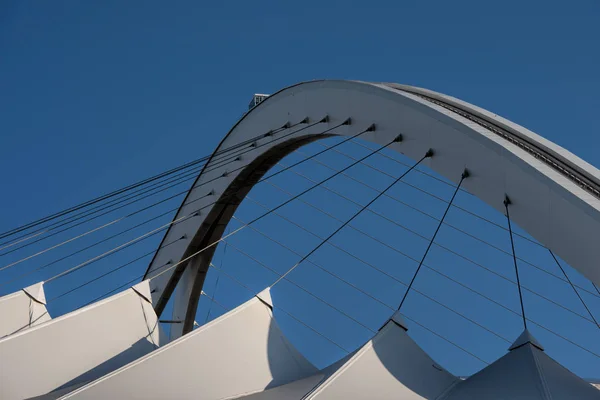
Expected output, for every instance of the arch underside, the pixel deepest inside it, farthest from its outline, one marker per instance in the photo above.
(554, 194)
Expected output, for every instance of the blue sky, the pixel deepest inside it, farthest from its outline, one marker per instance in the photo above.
(96, 96)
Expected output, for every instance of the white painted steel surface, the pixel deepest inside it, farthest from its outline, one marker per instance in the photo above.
(80, 346)
(23, 309)
(241, 352)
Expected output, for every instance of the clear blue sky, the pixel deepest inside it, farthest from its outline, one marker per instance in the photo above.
(94, 96)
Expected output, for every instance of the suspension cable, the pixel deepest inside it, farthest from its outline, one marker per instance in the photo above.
(512, 244)
(93, 201)
(538, 267)
(120, 247)
(443, 305)
(476, 216)
(170, 267)
(425, 238)
(92, 231)
(464, 175)
(54, 233)
(176, 180)
(280, 276)
(446, 339)
(343, 280)
(567, 278)
(437, 197)
(177, 194)
(322, 242)
(418, 170)
(371, 128)
(88, 213)
(275, 307)
(325, 187)
(110, 272)
(142, 182)
(331, 340)
(304, 121)
(213, 300)
(397, 200)
(86, 248)
(196, 213)
(155, 231)
(180, 178)
(335, 343)
(574, 288)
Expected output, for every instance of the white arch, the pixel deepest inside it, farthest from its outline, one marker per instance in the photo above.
(554, 194)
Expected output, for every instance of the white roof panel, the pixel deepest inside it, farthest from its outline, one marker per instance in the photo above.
(389, 366)
(23, 309)
(525, 372)
(78, 347)
(239, 353)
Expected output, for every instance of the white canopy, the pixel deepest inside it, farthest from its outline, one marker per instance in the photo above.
(525, 372)
(292, 391)
(389, 366)
(23, 309)
(79, 346)
(298, 389)
(239, 353)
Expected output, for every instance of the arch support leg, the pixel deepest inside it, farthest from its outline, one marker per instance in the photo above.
(181, 298)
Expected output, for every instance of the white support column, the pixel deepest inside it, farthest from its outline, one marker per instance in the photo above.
(181, 297)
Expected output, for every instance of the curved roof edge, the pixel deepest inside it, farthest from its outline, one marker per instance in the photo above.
(564, 161)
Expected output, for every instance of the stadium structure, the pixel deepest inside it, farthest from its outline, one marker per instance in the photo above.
(143, 340)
